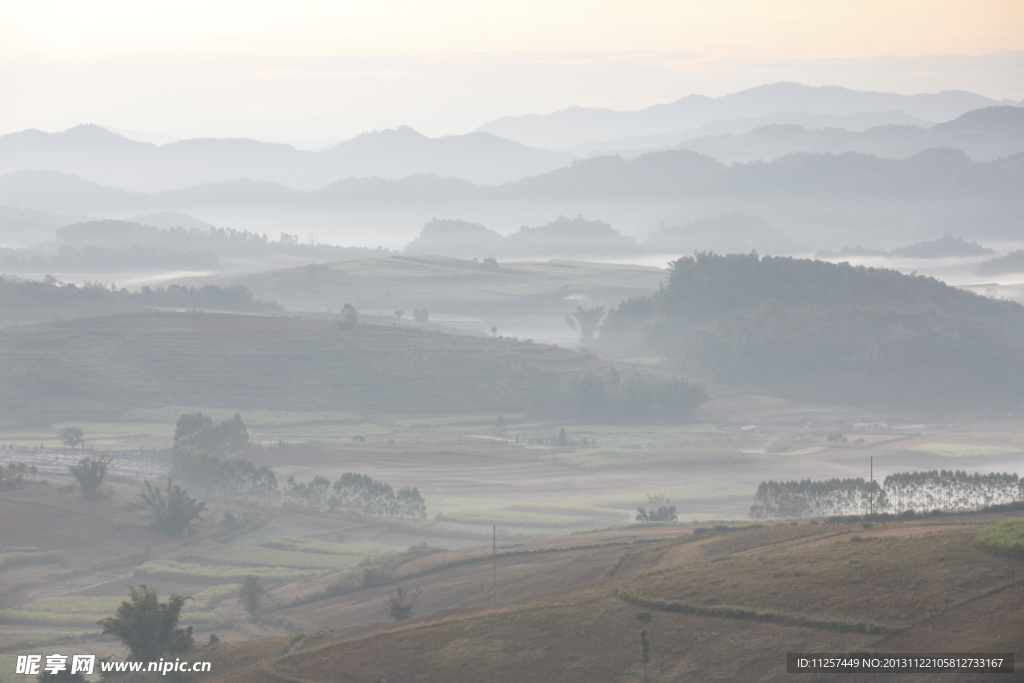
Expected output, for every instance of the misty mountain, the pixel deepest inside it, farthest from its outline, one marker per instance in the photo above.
(576, 125)
(857, 122)
(667, 175)
(728, 232)
(24, 227)
(561, 238)
(100, 156)
(944, 247)
(983, 135)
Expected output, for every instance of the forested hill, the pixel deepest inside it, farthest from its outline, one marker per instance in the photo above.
(829, 332)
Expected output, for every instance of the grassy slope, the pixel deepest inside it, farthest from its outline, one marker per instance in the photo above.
(106, 365)
(927, 583)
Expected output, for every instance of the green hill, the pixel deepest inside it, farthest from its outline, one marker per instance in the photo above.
(830, 332)
(106, 365)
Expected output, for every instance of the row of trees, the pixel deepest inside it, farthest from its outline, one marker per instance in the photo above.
(639, 395)
(15, 472)
(945, 490)
(357, 493)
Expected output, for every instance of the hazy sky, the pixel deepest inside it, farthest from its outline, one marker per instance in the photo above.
(310, 72)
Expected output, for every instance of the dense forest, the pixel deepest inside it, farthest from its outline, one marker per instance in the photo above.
(829, 332)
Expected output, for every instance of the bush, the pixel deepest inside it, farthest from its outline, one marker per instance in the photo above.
(1005, 538)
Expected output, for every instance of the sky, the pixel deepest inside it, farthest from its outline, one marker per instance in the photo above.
(312, 72)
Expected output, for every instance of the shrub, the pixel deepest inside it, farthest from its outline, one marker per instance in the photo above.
(1005, 538)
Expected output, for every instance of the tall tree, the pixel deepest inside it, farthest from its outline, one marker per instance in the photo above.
(90, 472)
(148, 627)
(584, 322)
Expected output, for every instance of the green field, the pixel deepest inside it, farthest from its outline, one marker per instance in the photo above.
(1005, 538)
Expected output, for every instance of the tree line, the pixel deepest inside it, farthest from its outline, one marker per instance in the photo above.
(902, 493)
(23, 293)
(357, 493)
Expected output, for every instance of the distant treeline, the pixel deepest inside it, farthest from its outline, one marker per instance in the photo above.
(113, 235)
(828, 331)
(94, 259)
(17, 293)
(906, 492)
(357, 493)
(637, 396)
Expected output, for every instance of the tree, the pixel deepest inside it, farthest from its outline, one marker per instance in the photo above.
(401, 602)
(420, 315)
(349, 317)
(171, 514)
(499, 426)
(90, 473)
(71, 436)
(584, 322)
(562, 439)
(251, 594)
(645, 650)
(149, 628)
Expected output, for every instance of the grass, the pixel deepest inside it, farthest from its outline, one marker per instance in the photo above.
(605, 459)
(1005, 538)
(20, 559)
(849, 582)
(269, 556)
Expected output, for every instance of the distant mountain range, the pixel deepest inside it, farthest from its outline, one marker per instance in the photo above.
(982, 134)
(668, 175)
(101, 156)
(576, 127)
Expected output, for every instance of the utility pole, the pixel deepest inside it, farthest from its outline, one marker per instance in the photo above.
(494, 560)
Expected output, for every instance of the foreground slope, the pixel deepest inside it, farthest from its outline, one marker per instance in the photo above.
(728, 604)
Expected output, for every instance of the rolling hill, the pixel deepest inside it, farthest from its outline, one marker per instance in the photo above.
(111, 364)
